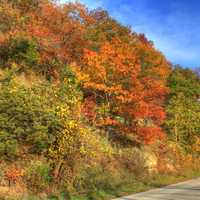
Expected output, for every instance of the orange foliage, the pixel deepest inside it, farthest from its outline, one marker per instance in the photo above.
(149, 134)
(13, 174)
(120, 68)
(117, 76)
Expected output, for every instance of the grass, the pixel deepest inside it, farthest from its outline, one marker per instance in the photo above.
(156, 181)
(128, 188)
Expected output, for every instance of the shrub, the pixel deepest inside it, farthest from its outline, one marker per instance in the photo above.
(26, 117)
(34, 116)
(13, 174)
(20, 52)
(8, 148)
(37, 176)
(93, 179)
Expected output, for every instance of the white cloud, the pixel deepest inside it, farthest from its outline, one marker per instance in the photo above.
(89, 3)
(175, 34)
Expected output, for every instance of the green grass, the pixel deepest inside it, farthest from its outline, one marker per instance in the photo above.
(130, 187)
(155, 181)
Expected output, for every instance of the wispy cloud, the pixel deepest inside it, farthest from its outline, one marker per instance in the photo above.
(92, 4)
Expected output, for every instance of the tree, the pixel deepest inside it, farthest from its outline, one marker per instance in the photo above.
(183, 108)
(123, 76)
(129, 80)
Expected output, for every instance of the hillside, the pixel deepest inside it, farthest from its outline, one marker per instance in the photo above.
(88, 106)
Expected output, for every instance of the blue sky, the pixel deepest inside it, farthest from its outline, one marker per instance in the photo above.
(173, 25)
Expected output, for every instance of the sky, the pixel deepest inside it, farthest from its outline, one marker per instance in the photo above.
(172, 25)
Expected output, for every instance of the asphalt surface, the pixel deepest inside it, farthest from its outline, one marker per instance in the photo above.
(189, 190)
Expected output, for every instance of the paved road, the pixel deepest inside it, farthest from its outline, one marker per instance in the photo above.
(189, 190)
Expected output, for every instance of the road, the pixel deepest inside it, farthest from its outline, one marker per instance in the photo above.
(189, 190)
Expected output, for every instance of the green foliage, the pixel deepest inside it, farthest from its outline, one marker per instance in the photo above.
(184, 119)
(8, 148)
(37, 176)
(20, 53)
(183, 122)
(96, 178)
(184, 81)
(29, 116)
(22, 49)
(26, 117)
(69, 90)
(115, 78)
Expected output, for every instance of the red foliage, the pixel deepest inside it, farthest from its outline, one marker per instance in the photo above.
(149, 134)
(13, 174)
(133, 92)
(88, 108)
(121, 68)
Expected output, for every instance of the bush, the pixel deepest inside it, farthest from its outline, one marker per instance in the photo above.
(37, 176)
(8, 148)
(20, 53)
(34, 116)
(26, 117)
(13, 174)
(96, 178)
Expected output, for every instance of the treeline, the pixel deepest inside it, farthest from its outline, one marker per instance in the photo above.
(82, 97)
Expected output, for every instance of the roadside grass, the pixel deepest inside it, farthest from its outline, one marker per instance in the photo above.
(127, 188)
(156, 181)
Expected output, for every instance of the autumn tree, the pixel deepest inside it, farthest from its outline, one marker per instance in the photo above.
(123, 76)
(129, 80)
